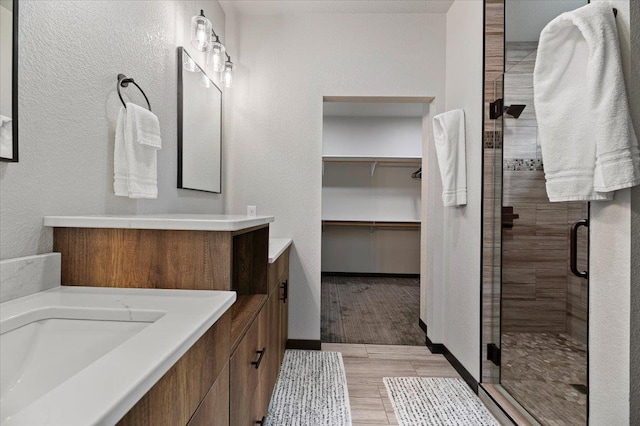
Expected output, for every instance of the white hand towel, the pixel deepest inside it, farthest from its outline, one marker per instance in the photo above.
(449, 136)
(120, 184)
(135, 154)
(588, 144)
(147, 127)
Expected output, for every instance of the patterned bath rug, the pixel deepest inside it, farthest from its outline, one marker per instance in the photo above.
(311, 391)
(427, 401)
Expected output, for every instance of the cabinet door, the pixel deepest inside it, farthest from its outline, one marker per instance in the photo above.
(270, 374)
(283, 316)
(247, 362)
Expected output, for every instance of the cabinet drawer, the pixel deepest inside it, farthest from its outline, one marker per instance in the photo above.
(214, 409)
(252, 352)
(177, 395)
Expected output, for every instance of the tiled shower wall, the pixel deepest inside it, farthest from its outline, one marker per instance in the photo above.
(539, 293)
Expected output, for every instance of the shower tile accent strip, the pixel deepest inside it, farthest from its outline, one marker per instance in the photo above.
(523, 165)
(492, 139)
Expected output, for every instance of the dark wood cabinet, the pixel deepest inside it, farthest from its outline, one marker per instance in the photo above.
(227, 377)
(279, 286)
(214, 408)
(266, 329)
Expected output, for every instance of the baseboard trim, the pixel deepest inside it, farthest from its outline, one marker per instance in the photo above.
(435, 348)
(422, 325)
(369, 274)
(439, 348)
(310, 345)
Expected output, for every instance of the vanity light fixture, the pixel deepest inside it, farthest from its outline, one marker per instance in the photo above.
(205, 39)
(200, 30)
(227, 74)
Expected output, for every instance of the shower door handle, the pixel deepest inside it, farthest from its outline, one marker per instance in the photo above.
(574, 248)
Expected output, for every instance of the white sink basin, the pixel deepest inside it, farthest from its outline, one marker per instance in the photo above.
(80, 355)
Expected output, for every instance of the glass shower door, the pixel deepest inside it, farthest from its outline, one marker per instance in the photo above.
(543, 319)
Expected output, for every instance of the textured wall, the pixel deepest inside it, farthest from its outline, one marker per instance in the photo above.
(70, 54)
(634, 83)
(609, 287)
(456, 251)
(274, 133)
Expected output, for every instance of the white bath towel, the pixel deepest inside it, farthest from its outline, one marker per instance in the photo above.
(450, 141)
(135, 155)
(588, 144)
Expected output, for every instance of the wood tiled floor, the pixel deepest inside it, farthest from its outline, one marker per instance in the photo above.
(366, 365)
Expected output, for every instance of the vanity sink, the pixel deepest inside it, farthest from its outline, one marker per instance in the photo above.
(86, 355)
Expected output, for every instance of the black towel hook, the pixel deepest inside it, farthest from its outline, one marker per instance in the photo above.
(123, 81)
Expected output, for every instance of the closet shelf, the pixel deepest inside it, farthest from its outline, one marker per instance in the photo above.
(373, 161)
(372, 223)
(409, 161)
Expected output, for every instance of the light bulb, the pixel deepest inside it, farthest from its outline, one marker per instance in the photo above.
(227, 74)
(216, 58)
(200, 32)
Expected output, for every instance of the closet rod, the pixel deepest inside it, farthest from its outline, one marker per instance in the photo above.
(385, 162)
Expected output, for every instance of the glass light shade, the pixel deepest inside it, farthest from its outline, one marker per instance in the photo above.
(204, 81)
(216, 56)
(227, 74)
(200, 32)
(189, 64)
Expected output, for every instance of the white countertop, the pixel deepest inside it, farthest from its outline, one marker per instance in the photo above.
(277, 246)
(183, 222)
(104, 390)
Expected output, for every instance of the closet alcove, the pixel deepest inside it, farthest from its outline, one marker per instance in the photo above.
(371, 207)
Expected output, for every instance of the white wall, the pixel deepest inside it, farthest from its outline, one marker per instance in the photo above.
(372, 136)
(358, 250)
(432, 217)
(287, 63)
(70, 54)
(609, 287)
(635, 220)
(454, 252)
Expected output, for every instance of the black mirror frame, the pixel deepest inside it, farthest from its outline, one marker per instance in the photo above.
(181, 51)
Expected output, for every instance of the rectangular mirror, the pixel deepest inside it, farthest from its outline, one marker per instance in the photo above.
(199, 127)
(9, 80)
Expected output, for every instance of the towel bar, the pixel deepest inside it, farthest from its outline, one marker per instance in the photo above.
(123, 81)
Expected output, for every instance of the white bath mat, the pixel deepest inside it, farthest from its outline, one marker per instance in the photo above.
(427, 401)
(311, 391)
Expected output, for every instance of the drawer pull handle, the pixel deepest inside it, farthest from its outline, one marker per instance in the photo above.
(261, 421)
(285, 290)
(261, 353)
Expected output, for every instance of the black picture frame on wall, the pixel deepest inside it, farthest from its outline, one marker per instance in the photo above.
(14, 88)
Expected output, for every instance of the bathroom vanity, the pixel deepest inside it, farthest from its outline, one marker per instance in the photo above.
(228, 375)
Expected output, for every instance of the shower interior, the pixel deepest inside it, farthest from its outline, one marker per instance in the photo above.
(538, 321)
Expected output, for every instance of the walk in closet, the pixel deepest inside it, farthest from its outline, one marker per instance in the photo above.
(371, 187)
